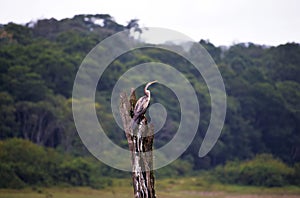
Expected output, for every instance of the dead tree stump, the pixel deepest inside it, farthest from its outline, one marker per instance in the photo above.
(140, 142)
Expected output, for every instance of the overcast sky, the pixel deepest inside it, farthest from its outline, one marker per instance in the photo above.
(223, 22)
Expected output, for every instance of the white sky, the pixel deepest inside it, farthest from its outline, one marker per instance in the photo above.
(223, 22)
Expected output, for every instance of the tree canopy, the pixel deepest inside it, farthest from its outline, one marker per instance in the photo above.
(39, 61)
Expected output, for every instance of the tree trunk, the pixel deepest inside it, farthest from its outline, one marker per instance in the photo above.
(140, 142)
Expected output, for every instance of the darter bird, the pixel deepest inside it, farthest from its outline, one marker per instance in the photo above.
(141, 106)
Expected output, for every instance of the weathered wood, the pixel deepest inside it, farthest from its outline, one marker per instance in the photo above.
(140, 142)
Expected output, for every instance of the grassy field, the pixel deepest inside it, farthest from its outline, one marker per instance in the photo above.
(167, 188)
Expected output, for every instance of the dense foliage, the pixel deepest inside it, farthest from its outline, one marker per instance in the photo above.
(263, 170)
(38, 64)
(23, 163)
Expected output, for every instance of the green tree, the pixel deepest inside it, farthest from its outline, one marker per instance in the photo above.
(8, 126)
(26, 163)
(24, 84)
(263, 170)
(21, 34)
(41, 122)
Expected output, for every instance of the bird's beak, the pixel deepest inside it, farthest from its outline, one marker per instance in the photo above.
(155, 81)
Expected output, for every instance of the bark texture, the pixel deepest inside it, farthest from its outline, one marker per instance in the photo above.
(140, 142)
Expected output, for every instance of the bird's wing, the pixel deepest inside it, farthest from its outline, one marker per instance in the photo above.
(141, 106)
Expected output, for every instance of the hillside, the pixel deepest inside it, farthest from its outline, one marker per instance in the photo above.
(39, 61)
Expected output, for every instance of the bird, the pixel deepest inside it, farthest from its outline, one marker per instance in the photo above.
(141, 106)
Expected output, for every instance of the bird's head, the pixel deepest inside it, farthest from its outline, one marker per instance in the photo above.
(148, 84)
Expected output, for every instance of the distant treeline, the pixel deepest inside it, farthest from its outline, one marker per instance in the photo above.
(39, 61)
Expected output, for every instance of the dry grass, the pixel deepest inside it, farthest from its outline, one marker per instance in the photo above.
(167, 188)
(127, 193)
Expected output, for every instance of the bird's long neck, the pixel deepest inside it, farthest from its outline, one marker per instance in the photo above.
(147, 92)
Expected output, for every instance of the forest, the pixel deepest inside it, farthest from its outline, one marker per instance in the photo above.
(39, 144)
